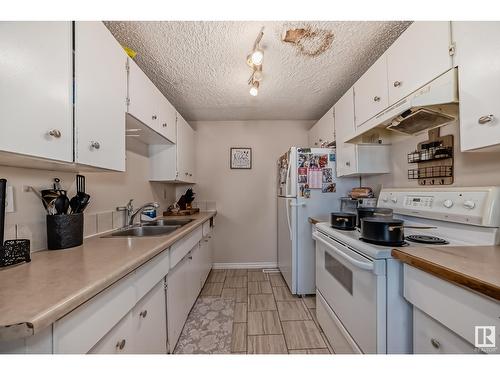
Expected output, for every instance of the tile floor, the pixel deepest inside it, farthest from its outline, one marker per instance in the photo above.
(268, 319)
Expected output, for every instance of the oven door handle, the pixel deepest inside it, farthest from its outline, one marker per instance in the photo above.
(363, 265)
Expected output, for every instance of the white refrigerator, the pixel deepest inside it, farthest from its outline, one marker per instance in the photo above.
(307, 187)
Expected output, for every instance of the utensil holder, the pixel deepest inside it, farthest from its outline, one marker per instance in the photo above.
(64, 231)
(14, 251)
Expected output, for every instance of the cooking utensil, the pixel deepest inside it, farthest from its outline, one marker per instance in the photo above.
(80, 183)
(57, 184)
(385, 231)
(343, 220)
(61, 204)
(373, 211)
(81, 200)
(3, 188)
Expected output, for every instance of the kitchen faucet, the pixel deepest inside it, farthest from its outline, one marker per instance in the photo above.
(131, 214)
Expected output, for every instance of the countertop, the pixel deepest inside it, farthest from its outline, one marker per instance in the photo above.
(319, 219)
(34, 295)
(474, 267)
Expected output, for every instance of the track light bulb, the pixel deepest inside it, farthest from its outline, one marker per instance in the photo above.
(257, 57)
(254, 89)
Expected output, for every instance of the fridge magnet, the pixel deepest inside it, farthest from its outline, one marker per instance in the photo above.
(314, 177)
(302, 171)
(307, 191)
(314, 161)
(301, 190)
(323, 161)
(240, 158)
(332, 157)
(304, 150)
(302, 179)
(327, 175)
(329, 188)
(302, 160)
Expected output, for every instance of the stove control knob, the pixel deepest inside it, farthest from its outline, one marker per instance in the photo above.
(469, 204)
(448, 203)
(394, 199)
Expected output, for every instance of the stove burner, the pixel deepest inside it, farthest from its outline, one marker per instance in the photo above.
(384, 243)
(420, 238)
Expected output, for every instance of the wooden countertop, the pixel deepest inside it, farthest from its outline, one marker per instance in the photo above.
(319, 219)
(474, 267)
(34, 295)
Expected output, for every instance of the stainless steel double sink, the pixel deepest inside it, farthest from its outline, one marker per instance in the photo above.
(158, 227)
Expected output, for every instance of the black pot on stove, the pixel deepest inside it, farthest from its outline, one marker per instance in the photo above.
(379, 212)
(343, 220)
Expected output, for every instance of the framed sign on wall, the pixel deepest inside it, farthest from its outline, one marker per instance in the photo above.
(240, 158)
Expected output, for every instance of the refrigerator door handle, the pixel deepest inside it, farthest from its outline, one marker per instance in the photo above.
(288, 175)
(297, 204)
(288, 204)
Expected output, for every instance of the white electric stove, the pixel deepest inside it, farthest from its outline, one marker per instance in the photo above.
(360, 303)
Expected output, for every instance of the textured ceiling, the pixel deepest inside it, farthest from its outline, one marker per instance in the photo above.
(201, 66)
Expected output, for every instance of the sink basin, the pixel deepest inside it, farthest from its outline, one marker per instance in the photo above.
(168, 222)
(145, 231)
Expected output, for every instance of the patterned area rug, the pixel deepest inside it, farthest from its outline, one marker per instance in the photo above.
(208, 328)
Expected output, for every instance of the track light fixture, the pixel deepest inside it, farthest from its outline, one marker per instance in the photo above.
(254, 61)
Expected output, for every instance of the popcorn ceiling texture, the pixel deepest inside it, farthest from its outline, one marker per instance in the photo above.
(201, 66)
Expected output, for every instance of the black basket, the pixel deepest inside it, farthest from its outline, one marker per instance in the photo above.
(64, 231)
(14, 251)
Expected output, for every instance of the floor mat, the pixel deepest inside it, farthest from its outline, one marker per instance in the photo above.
(208, 328)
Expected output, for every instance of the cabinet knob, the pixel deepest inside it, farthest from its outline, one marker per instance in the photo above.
(55, 133)
(320, 140)
(154, 117)
(164, 124)
(348, 163)
(485, 119)
(121, 344)
(435, 343)
(190, 257)
(95, 145)
(397, 83)
(190, 175)
(376, 98)
(143, 314)
(187, 174)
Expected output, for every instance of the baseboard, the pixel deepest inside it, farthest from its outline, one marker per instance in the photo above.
(218, 266)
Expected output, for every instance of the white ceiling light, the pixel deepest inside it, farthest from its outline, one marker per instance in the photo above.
(254, 61)
(254, 89)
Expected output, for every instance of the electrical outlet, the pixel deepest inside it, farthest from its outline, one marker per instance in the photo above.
(9, 199)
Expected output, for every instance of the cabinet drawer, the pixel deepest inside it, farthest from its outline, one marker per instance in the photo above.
(455, 307)
(149, 274)
(183, 246)
(431, 337)
(117, 341)
(80, 330)
(337, 335)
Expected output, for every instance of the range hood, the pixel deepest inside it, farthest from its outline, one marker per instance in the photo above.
(431, 106)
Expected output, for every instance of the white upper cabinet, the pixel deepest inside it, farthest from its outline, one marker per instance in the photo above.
(371, 94)
(418, 56)
(143, 96)
(100, 97)
(166, 118)
(36, 89)
(323, 131)
(344, 128)
(478, 59)
(185, 150)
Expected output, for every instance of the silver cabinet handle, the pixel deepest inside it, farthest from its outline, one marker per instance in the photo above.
(154, 117)
(397, 83)
(376, 98)
(485, 119)
(143, 314)
(435, 343)
(95, 145)
(55, 133)
(121, 344)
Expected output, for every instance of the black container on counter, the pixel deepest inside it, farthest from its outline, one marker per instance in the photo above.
(64, 231)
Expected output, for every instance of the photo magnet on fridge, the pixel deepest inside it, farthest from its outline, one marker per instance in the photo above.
(327, 175)
(329, 188)
(302, 179)
(332, 157)
(302, 171)
(323, 161)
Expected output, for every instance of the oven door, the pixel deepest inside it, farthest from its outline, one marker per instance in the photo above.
(354, 287)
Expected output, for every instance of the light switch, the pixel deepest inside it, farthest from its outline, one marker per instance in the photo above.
(9, 199)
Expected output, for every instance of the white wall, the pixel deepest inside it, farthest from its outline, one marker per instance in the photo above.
(471, 168)
(246, 199)
(108, 190)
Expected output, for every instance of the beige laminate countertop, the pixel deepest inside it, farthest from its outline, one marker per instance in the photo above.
(319, 219)
(34, 295)
(475, 267)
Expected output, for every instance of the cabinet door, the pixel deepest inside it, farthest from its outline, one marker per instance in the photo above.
(370, 92)
(36, 89)
(143, 96)
(313, 135)
(478, 60)
(418, 56)
(177, 292)
(120, 340)
(344, 128)
(150, 322)
(100, 97)
(167, 119)
(185, 150)
(327, 127)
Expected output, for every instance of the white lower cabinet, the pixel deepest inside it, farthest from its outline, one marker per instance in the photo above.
(119, 340)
